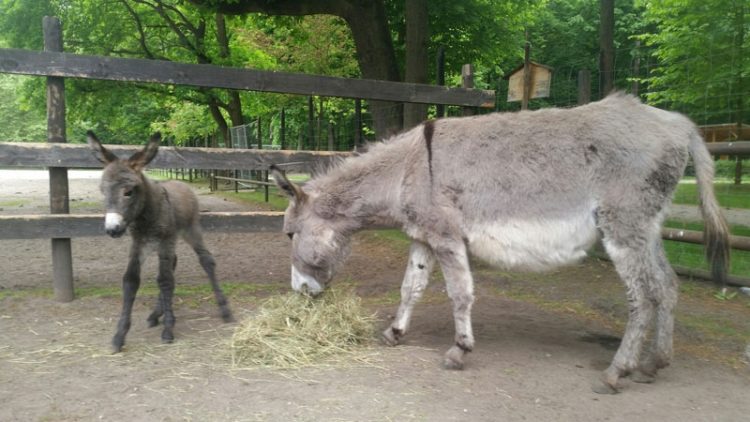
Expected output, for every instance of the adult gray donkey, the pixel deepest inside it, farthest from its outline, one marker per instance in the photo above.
(156, 214)
(528, 190)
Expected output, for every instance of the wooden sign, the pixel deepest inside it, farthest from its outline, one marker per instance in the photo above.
(541, 78)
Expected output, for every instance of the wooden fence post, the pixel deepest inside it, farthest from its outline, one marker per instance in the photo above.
(62, 259)
(440, 108)
(282, 129)
(584, 86)
(358, 140)
(467, 81)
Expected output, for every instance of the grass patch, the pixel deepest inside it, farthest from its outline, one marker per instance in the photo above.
(692, 256)
(275, 201)
(728, 194)
(14, 203)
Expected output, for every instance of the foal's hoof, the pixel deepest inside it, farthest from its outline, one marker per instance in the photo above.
(152, 322)
(117, 343)
(454, 359)
(167, 337)
(226, 316)
(391, 335)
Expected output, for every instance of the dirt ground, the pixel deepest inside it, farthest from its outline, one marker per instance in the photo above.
(541, 340)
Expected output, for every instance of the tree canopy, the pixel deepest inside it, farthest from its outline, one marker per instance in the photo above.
(688, 55)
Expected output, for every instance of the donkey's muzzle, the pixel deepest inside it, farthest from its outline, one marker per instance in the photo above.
(115, 232)
(114, 225)
(305, 284)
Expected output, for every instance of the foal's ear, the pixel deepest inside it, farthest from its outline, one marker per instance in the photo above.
(290, 189)
(102, 154)
(140, 159)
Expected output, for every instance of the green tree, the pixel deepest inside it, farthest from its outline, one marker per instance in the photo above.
(703, 50)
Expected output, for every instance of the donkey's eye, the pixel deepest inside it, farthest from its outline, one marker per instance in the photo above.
(291, 235)
(128, 192)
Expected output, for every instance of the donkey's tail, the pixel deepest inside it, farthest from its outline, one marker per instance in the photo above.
(716, 234)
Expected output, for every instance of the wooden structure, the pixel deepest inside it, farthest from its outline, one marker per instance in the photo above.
(540, 79)
(56, 65)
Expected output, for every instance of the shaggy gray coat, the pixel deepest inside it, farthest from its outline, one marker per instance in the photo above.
(528, 190)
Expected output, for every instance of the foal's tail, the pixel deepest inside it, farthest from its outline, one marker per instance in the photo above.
(716, 234)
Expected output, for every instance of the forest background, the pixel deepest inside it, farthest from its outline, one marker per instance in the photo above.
(685, 55)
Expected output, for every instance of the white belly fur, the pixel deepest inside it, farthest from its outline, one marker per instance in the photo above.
(534, 244)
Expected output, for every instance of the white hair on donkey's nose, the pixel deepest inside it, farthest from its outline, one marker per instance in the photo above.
(112, 220)
(304, 283)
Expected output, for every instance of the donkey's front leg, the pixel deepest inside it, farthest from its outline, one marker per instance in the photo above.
(418, 270)
(165, 280)
(459, 283)
(130, 283)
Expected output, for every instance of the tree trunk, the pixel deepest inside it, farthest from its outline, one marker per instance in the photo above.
(372, 38)
(606, 47)
(417, 36)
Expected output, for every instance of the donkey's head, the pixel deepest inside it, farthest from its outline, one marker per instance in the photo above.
(123, 183)
(320, 238)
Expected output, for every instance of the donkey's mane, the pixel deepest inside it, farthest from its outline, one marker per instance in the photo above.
(339, 166)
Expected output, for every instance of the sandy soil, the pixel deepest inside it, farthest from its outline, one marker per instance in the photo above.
(541, 341)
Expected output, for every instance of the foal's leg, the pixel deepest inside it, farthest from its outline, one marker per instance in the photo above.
(459, 283)
(664, 294)
(130, 283)
(153, 318)
(418, 269)
(194, 237)
(165, 280)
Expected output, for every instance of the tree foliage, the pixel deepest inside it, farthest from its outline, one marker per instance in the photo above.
(702, 48)
(693, 54)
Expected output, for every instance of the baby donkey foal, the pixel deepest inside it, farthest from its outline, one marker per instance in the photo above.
(156, 214)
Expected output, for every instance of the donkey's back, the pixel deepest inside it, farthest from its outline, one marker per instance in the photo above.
(531, 189)
(185, 208)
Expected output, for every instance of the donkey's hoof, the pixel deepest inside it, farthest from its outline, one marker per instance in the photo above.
(454, 359)
(601, 387)
(152, 322)
(642, 377)
(167, 337)
(391, 336)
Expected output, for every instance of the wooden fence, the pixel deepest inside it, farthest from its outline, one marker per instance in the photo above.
(56, 65)
(58, 156)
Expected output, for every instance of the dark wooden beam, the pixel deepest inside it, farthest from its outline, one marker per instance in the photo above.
(29, 154)
(741, 243)
(47, 226)
(26, 62)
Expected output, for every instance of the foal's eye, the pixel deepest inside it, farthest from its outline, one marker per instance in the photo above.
(128, 192)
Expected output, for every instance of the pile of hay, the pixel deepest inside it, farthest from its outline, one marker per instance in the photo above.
(294, 330)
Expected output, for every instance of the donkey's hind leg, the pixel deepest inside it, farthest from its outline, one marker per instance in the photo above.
(194, 237)
(418, 269)
(633, 255)
(663, 293)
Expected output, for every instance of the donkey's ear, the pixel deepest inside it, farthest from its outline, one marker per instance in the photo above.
(140, 159)
(102, 154)
(290, 189)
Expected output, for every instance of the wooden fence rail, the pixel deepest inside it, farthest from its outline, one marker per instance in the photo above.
(45, 226)
(32, 154)
(47, 63)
